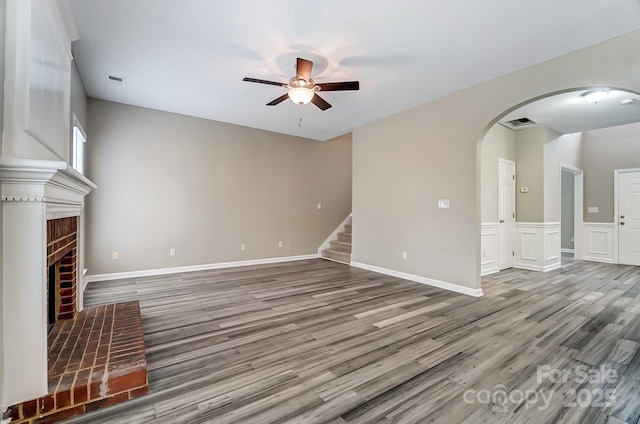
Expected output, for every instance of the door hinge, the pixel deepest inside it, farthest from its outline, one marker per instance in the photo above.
(513, 177)
(513, 214)
(513, 253)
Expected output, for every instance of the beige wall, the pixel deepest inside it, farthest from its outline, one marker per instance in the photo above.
(499, 143)
(538, 153)
(530, 173)
(204, 188)
(567, 210)
(558, 149)
(404, 163)
(604, 151)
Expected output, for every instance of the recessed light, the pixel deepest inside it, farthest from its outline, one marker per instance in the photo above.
(595, 96)
(626, 102)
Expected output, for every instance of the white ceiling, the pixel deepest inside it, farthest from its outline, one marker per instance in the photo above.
(189, 56)
(570, 113)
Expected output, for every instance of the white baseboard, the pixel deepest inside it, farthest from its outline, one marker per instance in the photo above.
(192, 268)
(422, 280)
(563, 250)
(489, 271)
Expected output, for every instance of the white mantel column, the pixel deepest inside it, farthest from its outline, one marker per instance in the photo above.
(23, 301)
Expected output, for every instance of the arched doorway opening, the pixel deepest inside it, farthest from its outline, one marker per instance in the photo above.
(543, 139)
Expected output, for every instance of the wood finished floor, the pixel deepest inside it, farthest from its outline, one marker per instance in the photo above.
(320, 342)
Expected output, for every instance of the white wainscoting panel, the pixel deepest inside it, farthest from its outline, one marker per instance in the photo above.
(489, 248)
(598, 242)
(552, 246)
(537, 246)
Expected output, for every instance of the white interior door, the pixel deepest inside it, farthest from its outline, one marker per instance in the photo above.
(506, 211)
(629, 218)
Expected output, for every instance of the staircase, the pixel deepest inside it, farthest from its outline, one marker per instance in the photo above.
(340, 249)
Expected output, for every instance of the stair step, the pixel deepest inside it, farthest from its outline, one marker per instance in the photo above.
(341, 246)
(347, 228)
(346, 237)
(336, 256)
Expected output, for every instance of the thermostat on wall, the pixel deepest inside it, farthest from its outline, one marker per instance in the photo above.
(524, 189)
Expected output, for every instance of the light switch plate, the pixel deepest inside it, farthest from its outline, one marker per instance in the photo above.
(443, 204)
(524, 189)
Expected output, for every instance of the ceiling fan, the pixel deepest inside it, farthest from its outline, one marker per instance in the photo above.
(303, 90)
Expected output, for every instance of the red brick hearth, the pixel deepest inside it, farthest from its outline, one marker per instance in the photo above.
(95, 360)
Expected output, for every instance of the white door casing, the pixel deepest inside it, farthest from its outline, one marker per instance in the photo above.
(578, 204)
(628, 218)
(506, 211)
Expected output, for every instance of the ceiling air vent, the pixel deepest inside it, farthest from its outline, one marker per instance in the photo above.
(517, 124)
(116, 80)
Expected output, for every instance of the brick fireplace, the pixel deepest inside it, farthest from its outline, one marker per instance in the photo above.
(62, 259)
(58, 358)
(42, 213)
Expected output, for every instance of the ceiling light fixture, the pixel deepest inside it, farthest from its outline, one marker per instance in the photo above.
(300, 91)
(301, 95)
(595, 96)
(626, 102)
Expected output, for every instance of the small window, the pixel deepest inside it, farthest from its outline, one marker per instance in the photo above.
(77, 148)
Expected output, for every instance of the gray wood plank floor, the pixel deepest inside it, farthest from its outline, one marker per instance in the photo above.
(320, 342)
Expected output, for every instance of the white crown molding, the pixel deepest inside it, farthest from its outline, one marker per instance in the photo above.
(422, 280)
(69, 20)
(192, 268)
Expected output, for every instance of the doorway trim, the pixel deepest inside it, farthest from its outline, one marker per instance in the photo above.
(578, 206)
(616, 214)
(506, 230)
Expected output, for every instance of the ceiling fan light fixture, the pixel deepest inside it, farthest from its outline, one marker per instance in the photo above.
(301, 95)
(595, 96)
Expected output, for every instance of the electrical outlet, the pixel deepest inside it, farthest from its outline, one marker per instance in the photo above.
(115, 255)
(279, 244)
(443, 204)
(172, 252)
(242, 247)
(404, 256)
(319, 205)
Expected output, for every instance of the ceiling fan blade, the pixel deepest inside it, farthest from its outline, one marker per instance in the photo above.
(278, 100)
(303, 69)
(339, 86)
(259, 81)
(320, 102)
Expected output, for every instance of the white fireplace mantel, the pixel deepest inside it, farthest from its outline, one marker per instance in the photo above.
(32, 191)
(29, 180)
